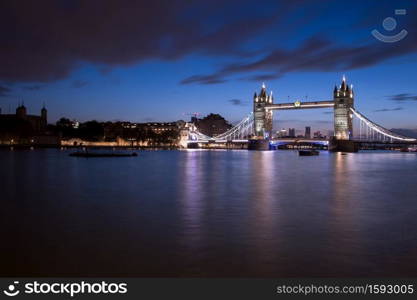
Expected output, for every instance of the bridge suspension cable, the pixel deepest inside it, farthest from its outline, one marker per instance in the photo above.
(242, 130)
(371, 131)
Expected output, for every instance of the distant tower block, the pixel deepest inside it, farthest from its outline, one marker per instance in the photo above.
(343, 102)
(262, 116)
(44, 117)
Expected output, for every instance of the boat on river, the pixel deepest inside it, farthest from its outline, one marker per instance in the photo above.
(308, 152)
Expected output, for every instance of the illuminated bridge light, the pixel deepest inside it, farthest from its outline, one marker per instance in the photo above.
(262, 119)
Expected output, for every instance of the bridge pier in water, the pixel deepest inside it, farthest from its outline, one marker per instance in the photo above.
(258, 144)
(336, 145)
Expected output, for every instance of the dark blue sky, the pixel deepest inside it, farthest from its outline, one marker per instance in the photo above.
(161, 60)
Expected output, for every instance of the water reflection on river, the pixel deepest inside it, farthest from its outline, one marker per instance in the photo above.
(209, 213)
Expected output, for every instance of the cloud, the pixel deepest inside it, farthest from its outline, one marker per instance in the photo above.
(238, 102)
(32, 87)
(403, 97)
(315, 54)
(79, 83)
(4, 91)
(57, 37)
(388, 109)
(321, 53)
(262, 77)
(209, 79)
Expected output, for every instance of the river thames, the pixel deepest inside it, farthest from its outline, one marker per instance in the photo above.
(209, 214)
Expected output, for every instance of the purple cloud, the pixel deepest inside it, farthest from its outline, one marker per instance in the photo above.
(403, 97)
(42, 42)
(79, 83)
(388, 109)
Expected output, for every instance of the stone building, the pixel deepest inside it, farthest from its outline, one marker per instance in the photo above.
(22, 128)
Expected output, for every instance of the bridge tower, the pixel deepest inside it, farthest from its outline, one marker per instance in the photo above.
(262, 116)
(343, 102)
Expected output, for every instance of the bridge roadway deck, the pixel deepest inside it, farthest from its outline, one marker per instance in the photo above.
(304, 140)
(301, 105)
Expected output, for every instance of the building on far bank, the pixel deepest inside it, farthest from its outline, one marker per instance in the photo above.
(146, 131)
(291, 132)
(36, 123)
(282, 133)
(307, 134)
(318, 135)
(22, 128)
(151, 134)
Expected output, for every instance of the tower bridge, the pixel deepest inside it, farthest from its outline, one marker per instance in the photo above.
(256, 128)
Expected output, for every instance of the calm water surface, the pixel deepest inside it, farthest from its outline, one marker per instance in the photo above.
(208, 213)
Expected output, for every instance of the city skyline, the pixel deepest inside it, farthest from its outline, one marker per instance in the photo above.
(299, 51)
